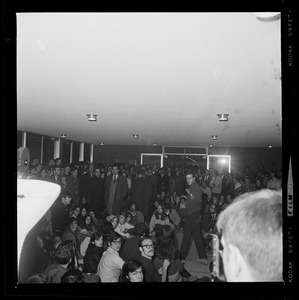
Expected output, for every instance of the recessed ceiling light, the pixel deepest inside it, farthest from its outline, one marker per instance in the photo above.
(155, 144)
(63, 135)
(136, 136)
(214, 137)
(210, 145)
(102, 144)
(91, 117)
(223, 117)
(270, 146)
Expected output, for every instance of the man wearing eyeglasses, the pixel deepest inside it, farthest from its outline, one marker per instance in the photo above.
(111, 263)
(151, 274)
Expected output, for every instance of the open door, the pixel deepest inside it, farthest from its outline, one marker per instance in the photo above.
(219, 162)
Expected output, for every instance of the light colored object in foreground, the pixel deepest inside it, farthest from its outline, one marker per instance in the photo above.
(34, 198)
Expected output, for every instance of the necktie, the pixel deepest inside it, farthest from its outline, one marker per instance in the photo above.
(114, 179)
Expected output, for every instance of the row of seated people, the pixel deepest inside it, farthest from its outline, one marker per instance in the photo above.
(84, 231)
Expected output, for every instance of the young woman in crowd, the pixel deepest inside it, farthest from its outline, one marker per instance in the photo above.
(93, 253)
(159, 217)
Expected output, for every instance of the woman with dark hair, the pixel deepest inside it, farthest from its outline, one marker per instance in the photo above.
(165, 249)
(132, 271)
(81, 217)
(93, 253)
(107, 228)
(75, 212)
(87, 228)
(159, 217)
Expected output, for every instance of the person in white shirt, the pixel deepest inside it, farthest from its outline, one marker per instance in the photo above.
(110, 265)
(216, 183)
(274, 183)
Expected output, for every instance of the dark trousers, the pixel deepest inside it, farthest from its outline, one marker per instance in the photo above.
(192, 230)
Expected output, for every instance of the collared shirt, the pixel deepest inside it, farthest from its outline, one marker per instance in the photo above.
(110, 266)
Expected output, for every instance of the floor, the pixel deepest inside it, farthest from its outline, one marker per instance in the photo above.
(194, 268)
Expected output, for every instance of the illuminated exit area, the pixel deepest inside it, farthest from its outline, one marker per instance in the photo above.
(177, 156)
(219, 162)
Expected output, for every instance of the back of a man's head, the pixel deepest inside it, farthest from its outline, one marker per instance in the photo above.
(253, 224)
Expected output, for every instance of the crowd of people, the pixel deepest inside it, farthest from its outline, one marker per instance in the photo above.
(118, 223)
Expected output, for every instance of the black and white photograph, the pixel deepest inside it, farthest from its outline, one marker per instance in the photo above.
(151, 148)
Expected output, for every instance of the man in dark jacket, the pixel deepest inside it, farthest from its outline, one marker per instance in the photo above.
(97, 192)
(84, 185)
(142, 193)
(60, 213)
(193, 220)
(116, 189)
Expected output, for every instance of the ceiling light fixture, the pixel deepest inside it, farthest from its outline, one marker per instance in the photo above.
(211, 145)
(102, 144)
(270, 146)
(267, 16)
(136, 136)
(91, 117)
(214, 137)
(63, 135)
(155, 144)
(223, 117)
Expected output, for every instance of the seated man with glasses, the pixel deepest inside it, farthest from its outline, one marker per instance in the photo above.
(151, 274)
(110, 265)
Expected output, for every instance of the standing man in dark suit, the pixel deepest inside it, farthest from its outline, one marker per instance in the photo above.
(97, 192)
(84, 185)
(116, 189)
(142, 193)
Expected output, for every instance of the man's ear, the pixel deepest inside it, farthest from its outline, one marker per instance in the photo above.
(240, 265)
